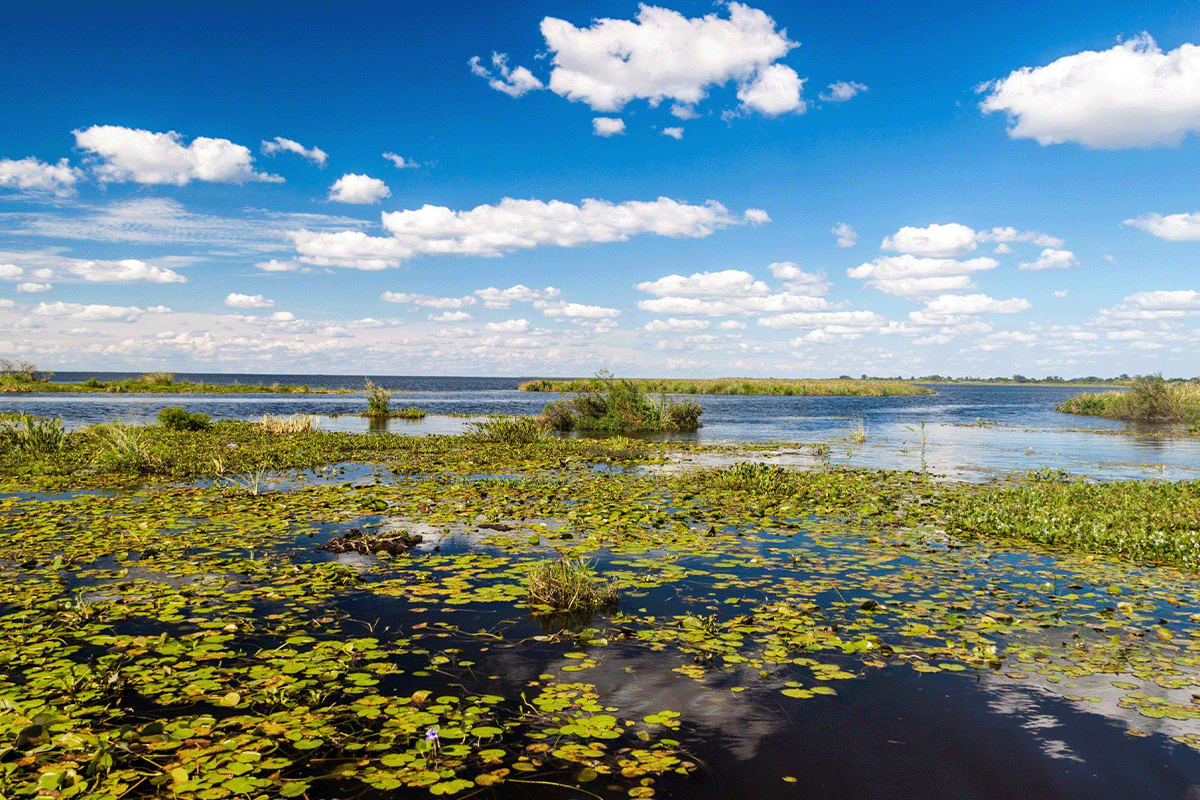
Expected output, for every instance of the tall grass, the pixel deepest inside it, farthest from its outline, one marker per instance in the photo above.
(620, 406)
(568, 584)
(1149, 399)
(846, 387)
(507, 430)
(296, 423)
(33, 435)
(122, 447)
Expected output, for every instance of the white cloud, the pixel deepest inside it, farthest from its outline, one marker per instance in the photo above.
(576, 310)
(491, 230)
(358, 189)
(31, 175)
(401, 162)
(936, 240)
(608, 126)
(282, 145)
(674, 133)
(283, 316)
(955, 304)
(842, 91)
(846, 235)
(726, 283)
(909, 276)
(126, 154)
(352, 249)
(675, 324)
(129, 270)
(1011, 234)
(1003, 249)
(96, 312)
(1156, 305)
(731, 325)
(662, 55)
(851, 319)
(513, 82)
(450, 316)
(776, 90)
(1062, 293)
(31, 288)
(1132, 95)
(1173, 227)
(508, 326)
(6, 303)
(1110, 258)
(797, 280)
(235, 300)
(428, 301)
(503, 298)
(11, 272)
(770, 304)
(275, 265)
(1051, 259)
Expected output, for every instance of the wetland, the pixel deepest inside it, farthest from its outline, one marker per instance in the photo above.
(934, 611)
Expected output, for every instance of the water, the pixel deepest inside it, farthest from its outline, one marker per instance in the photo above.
(963, 431)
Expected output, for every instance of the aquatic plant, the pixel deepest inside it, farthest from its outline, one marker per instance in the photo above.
(508, 430)
(175, 418)
(857, 431)
(378, 400)
(568, 584)
(157, 378)
(831, 387)
(1149, 399)
(122, 447)
(616, 405)
(296, 423)
(29, 434)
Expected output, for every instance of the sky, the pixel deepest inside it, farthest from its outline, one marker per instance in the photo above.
(556, 188)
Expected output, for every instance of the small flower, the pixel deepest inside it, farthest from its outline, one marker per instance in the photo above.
(431, 735)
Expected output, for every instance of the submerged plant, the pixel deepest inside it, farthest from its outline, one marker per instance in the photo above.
(568, 584)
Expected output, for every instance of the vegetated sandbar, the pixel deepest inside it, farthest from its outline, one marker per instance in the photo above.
(159, 384)
(816, 387)
(1150, 398)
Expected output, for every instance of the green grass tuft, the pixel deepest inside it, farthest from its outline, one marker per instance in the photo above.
(568, 584)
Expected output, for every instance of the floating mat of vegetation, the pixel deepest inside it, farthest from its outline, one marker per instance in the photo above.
(196, 642)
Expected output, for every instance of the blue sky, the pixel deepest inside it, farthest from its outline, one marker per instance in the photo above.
(556, 188)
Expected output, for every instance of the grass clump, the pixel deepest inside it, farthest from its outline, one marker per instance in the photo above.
(620, 406)
(1150, 399)
(569, 584)
(122, 447)
(508, 430)
(175, 418)
(157, 378)
(28, 434)
(379, 400)
(296, 423)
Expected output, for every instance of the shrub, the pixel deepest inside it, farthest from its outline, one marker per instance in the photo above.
(175, 418)
(1151, 399)
(29, 434)
(379, 400)
(620, 406)
(569, 585)
(22, 371)
(557, 416)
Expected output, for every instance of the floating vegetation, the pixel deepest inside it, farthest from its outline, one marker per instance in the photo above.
(1149, 399)
(839, 387)
(178, 640)
(355, 541)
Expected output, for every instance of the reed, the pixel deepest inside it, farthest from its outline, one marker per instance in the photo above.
(296, 423)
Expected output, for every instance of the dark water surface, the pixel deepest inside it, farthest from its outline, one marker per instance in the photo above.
(962, 431)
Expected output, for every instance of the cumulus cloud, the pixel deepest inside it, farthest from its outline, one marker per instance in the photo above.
(1155, 305)
(726, 283)
(128, 270)
(1011, 234)
(910, 276)
(400, 162)
(358, 189)
(275, 265)
(948, 305)
(1060, 293)
(491, 230)
(848, 319)
(128, 154)
(11, 272)
(797, 280)
(576, 310)
(235, 300)
(1051, 259)
(731, 325)
(608, 126)
(428, 301)
(674, 133)
(450, 316)
(1132, 95)
(1173, 227)
(503, 298)
(514, 81)
(769, 304)
(352, 249)
(937, 241)
(282, 145)
(96, 312)
(842, 91)
(675, 324)
(846, 236)
(31, 287)
(508, 326)
(31, 175)
(654, 57)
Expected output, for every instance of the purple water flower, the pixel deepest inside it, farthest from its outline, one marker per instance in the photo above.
(431, 735)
